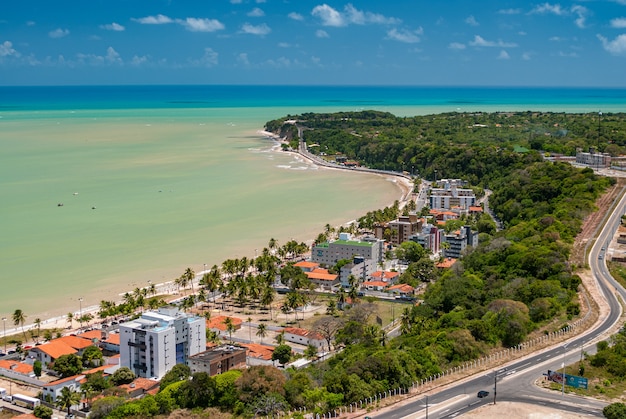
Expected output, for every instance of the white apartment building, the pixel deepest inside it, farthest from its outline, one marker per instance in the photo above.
(451, 195)
(347, 248)
(152, 344)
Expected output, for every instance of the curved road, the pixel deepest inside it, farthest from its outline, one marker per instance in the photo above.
(515, 382)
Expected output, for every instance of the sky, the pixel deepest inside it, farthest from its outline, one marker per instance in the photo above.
(284, 42)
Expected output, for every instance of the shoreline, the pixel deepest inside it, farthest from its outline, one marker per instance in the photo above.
(58, 317)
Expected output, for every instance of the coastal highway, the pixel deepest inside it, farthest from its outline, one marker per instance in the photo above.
(515, 380)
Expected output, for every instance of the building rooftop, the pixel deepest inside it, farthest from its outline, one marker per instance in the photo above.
(218, 352)
(218, 322)
(19, 367)
(55, 348)
(353, 243)
(320, 274)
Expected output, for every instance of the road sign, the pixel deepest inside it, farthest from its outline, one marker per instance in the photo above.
(570, 380)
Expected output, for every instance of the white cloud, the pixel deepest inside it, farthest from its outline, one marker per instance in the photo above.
(555, 9)
(328, 15)
(113, 27)
(30, 23)
(526, 56)
(350, 15)
(503, 55)
(262, 29)
(456, 45)
(137, 60)
(193, 24)
(284, 45)
(295, 16)
(471, 20)
(153, 20)
(410, 37)
(243, 58)
(58, 33)
(210, 58)
(567, 54)
(479, 41)
(321, 34)
(509, 11)
(581, 12)
(6, 50)
(256, 12)
(616, 46)
(260, 1)
(235, 1)
(619, 22)
(113, 56)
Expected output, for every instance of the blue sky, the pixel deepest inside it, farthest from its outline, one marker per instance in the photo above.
(396, 42)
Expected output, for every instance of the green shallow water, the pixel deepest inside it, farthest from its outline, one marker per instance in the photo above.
(171, 189)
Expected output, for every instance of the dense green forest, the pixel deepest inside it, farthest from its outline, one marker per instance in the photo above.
(473, 146)
(514, 282)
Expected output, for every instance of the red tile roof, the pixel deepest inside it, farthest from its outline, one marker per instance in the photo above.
(218, 322)
(25, 416)
(476, 209)
(140, 383)
(446, 263)
(402, 288)
(303, 332)
(55, 348)
(259, 351)
(385, 274)
(18, 367)
(307, 264)
(92, 334)
(320, 274)
(113, 339)
(75, 342)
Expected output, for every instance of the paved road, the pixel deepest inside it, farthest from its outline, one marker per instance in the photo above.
(516, 381)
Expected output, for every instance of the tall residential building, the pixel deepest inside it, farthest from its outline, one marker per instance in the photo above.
(346, 248)
(152, 344)
(404, 227)
(459, 240)
(451, 195)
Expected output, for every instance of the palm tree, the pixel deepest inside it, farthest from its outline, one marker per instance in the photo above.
(67, 399)
(70, 318)
(18, 320)
(273, 244)
(230, 328)
(267, 297)
(212, 280)
(261, 331)
(189, 275)
(38, 325)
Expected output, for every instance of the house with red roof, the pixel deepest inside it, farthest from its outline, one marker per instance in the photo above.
(385, 276)
(140, 387)
(53, 388)
(259, 354)
(374, 285)
(303, 337)
(307, 266)
(15, 369)
(446, 263)
(218, 325)
(322, 278)
(49, 352)
(401, 289)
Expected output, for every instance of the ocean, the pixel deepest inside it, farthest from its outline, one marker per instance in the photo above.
(105, 188)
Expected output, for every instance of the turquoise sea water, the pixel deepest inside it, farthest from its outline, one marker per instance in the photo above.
(154, 179)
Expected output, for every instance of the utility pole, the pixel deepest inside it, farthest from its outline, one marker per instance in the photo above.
(495, 386)
(427, 406)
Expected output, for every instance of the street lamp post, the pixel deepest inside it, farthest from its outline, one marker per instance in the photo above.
(563, 374)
